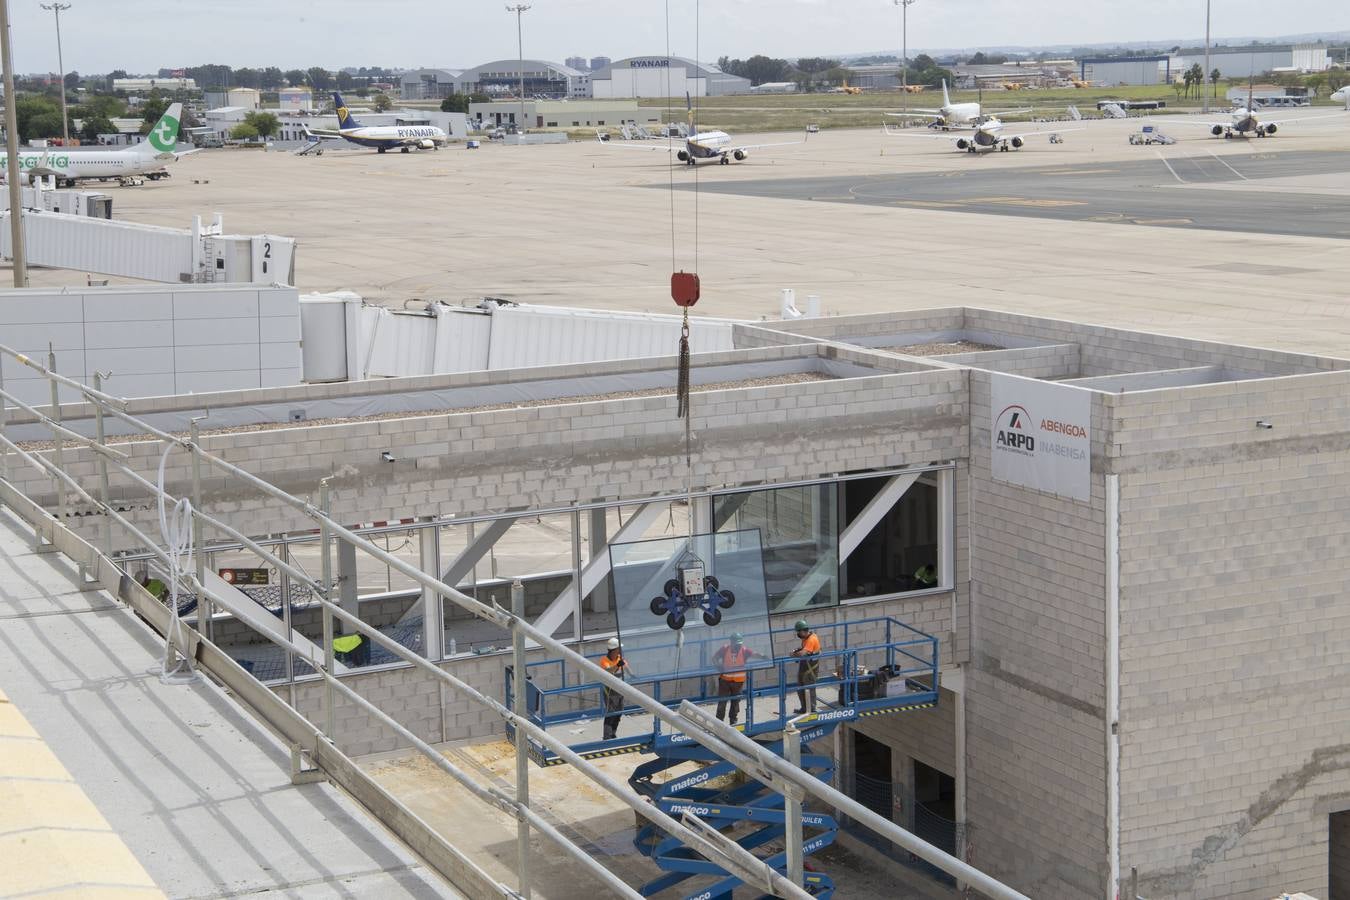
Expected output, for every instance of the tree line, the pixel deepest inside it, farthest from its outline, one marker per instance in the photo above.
(814, 72)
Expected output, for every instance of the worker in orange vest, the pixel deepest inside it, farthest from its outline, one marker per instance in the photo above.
(613, 663)
(808, 670)
(731, 659)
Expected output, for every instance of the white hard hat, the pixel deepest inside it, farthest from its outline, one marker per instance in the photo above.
(614, 643)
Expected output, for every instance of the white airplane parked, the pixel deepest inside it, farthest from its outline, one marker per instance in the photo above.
(988, 134)
(1243, 121)
(69, 166)
(381, 137)
(1342, 95)
(700, 145)
(954, 115)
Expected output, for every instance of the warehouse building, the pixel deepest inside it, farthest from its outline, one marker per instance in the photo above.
(429, 84)
(1132, 550)
(502, 78)
(562, 113)
(1245, 62)
(1114, 70)
(664, 76)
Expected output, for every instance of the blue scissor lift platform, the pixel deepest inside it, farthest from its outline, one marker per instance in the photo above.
(869, 667)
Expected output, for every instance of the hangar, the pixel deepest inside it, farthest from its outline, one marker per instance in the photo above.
(664, 76)
(542, 79)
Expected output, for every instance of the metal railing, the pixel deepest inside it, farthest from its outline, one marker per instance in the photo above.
(557, 694)
(690, 720)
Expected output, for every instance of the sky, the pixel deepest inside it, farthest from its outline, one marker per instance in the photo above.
(144, 35)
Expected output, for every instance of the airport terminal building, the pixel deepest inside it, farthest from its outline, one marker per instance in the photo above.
(1129, 552)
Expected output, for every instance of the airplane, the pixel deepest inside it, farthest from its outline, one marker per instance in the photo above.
(1342, 95)
(381, 137)
(987, 135)
(953, 115)
(71, 166)
(700, 145)
(1243, 121)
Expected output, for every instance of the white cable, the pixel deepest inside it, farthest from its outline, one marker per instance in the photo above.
(175, 527)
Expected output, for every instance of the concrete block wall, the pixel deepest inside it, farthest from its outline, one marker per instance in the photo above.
(1036, 684)
(1235, 668)
(539, 457)
(1110, 351)
(1049, 361)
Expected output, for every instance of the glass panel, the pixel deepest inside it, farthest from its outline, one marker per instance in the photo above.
(901, 552)
(666, 628)
(800, 533)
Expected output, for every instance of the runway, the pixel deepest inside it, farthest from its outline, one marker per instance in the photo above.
(1182, 186)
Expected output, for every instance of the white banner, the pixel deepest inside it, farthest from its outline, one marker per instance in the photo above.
(1040, 435)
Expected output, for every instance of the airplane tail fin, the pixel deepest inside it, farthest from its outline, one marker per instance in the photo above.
(163, 137)
(946, 98)
(345, 119)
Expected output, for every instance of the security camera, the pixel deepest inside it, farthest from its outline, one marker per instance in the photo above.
(1262, 423)
(388, 457)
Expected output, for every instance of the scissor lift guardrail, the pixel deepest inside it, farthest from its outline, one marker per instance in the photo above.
(558, 694)
(752, 810)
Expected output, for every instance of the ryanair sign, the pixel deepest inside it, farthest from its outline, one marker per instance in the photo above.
(1040, 435)
(657, 63)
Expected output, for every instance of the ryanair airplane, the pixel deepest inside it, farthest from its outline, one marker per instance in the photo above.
(381, 137)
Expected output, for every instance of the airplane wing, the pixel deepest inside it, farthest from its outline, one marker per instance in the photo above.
(1005, 136)
(327, 134)
(918, 112)
(1297, 120)
(747, 147)
(924, 134)
(1182, 120)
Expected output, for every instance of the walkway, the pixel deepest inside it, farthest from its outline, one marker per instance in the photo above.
(114, 784)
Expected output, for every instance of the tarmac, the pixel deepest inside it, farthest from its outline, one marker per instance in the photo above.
(581, 224)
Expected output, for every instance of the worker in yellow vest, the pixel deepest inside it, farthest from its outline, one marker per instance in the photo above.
(351, 650)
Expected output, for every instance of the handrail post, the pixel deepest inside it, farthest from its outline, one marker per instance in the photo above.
(326, 550)
(58, 448)
(284, 552)
(104, 491)
(205, 609)
(793, 795)
(4, 421)
(520, 705)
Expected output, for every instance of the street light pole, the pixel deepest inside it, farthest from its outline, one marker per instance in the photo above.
(904, 51)
(65, 119)
(1205, 106)
(12, 152)
(519, 10)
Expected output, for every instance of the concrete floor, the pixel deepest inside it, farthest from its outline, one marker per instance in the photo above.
(579, 224)
(113, 783)
(592, 818)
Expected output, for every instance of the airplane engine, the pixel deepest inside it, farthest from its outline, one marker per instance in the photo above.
(962, 144)
(1216, 130)
(427, 144)
(682, 155)
(740, 155)
(1271, 129)
(1017, 143)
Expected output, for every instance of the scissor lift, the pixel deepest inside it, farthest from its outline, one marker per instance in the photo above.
(869, 667)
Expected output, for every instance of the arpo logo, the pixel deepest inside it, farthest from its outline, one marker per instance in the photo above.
(1012, 431)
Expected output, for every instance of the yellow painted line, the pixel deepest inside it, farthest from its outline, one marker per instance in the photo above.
(1026, 201)
(927, 204)
(53, 840)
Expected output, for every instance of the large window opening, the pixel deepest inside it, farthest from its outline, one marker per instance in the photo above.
(900, 552)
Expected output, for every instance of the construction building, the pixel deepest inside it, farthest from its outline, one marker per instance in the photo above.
(1089, 549)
